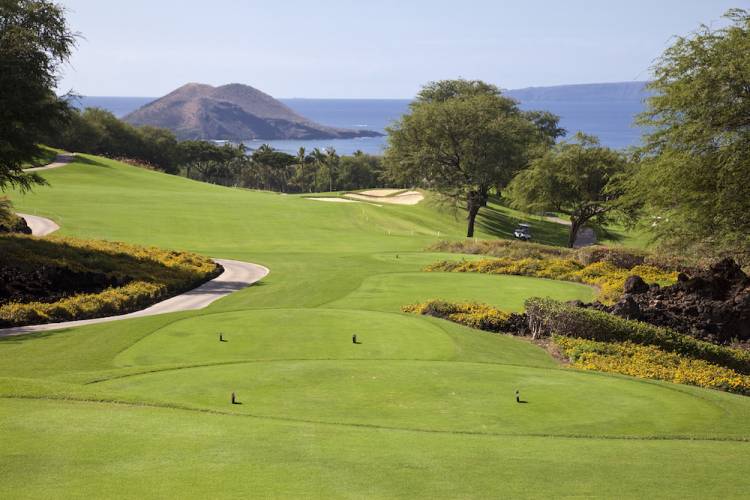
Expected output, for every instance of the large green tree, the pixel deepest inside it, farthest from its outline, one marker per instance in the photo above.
(463, 138)
(34, 41)
(694, 181)
(580, 179)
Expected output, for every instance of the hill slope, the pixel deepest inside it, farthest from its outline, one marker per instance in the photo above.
(232, 112)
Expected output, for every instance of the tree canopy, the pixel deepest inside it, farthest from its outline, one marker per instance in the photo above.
(463, 138)
(580, 179)
(34, 41)
(693, 183)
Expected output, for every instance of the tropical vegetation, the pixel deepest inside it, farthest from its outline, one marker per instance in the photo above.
(80, 279)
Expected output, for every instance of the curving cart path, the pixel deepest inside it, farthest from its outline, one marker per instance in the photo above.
(40, 226)
(60, 161)
(236, 276)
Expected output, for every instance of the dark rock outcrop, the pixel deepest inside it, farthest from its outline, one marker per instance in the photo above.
(17, 225)
(713, 305)
(635, 285)
(50, 284)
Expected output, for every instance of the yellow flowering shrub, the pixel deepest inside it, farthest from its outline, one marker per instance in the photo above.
(648, 361)
(471, 314)
(608, 278)
(141, 275)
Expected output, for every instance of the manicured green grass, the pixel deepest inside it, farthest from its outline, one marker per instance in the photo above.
(118, 451)
(420, 408)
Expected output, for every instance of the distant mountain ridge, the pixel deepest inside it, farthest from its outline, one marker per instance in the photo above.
(589, 92)
(233, 112)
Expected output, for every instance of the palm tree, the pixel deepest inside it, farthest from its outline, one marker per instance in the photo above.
(331, 160)
(301, 162)
(319, 158)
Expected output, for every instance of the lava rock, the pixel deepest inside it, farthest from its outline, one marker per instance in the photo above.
(713, 304)
(635, 285)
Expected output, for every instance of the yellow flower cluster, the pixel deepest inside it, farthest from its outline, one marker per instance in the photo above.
(145, 274)
(646, 361)
(470, 314)
(608, 278)
(130, 297)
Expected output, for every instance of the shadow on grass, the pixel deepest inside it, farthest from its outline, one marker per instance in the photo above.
(24, 337)
(501, 222)
(88, 161)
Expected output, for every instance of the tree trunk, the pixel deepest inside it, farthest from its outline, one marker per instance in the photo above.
(473, 211)
(474, 201)
(575, 225)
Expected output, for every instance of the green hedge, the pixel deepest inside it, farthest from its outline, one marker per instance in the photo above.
(547, 317)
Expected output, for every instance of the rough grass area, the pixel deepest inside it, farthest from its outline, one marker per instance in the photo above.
(61, 279)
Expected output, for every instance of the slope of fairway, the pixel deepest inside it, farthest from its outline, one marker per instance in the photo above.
(419, 407)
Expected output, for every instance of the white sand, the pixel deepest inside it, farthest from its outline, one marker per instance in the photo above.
(333, 200)
(408, 198)
(379, 192)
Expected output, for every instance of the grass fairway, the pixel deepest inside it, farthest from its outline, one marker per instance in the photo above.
(420, 408)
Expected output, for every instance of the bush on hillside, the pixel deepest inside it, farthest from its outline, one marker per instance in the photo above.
(471, 314)
(548, 317)
(625, 258)
(61, 279)
(608, 278)
(501, 248)
(648, 361)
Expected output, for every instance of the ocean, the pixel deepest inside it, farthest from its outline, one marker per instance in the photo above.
(604, 110)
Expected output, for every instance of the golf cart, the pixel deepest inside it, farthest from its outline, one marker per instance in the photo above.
(522, 232)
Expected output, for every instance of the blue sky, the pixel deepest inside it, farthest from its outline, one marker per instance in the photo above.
(379, 49)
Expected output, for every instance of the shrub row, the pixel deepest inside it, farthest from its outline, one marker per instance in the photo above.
(547, 317)
(502, 248)
(112, 301)
(621, 257)
(608, 278)
(474, 315)
(147, 275)
(648, 361)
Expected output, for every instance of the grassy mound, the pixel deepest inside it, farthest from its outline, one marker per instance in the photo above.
(61, 279)
(607, 269)
(593, 340)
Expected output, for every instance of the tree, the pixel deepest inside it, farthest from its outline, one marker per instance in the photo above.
(580, 179)
(695, 164)
(301, 159)
(463, 138)
(360, 171)
(319, 159)
(331, 161)
(34, 42)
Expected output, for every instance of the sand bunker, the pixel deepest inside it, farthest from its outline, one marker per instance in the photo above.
(380, 192)
(334, 200)
(407, 198)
